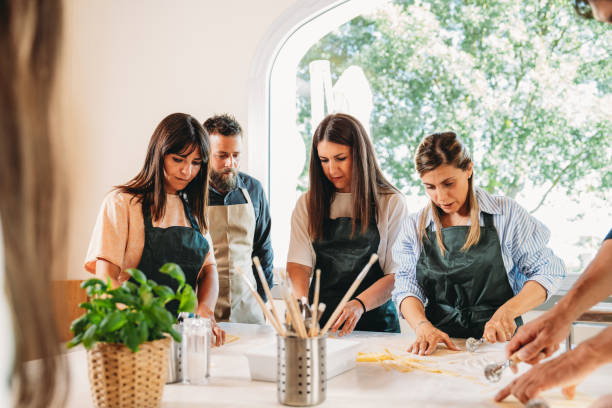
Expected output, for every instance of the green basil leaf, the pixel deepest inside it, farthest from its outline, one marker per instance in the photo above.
(174, 271)
(94, 287)
(112, 322)
(92, 282)
(132, 338)
(76, 340)
(79, 324)
(146, 296)
(93, 291)
(86, 306)
(137, 275)
(187, 300)
(102, 303)
(123, 296)
(137, 316)
(161, 316)
(103, 306)
(164, 292)
(130, 287)
(175, 335)
(143, 331)
(89, 336)
(158, 335)
(95, 318)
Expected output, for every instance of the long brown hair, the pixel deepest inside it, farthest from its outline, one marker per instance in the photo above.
(367, 180)
(29, 42)
(445, 148)
(177, 133)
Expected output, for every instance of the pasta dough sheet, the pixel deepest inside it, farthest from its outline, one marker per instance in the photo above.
(230, 338)
(401, 363)
(443, 351)
(554, 398)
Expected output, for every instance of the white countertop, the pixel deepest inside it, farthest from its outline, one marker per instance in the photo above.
(368, 385)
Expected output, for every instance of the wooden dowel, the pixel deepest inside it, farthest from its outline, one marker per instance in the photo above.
(320, 311)
(289, 314)
(294, 313)
(266, 288)
(301, 326)
(315, 305)
(261, 303)
(299, 322)
(349, 293)
(283, 276)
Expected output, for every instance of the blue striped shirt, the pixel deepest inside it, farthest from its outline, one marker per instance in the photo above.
(523, 246)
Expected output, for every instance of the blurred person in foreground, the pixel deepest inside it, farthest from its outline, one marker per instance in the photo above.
(29, 192)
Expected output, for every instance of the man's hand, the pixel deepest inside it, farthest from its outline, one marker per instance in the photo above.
(539, 338)
(566, 371)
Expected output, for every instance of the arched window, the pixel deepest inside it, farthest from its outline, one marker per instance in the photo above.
(278, 159)
(527, 85)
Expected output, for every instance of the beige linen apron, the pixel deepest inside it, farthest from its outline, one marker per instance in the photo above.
(232, 228)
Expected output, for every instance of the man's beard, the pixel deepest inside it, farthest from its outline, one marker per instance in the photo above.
(225, 180)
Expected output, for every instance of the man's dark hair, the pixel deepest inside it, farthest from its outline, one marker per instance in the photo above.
(224, 125)
(583, 9)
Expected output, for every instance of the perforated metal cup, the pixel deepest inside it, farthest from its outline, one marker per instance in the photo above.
(175, 372)
(301, 376)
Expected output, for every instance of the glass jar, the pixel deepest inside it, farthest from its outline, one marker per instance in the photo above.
(197, 333)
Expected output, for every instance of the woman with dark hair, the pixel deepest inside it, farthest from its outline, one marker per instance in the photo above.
(159, 217)
(349, 212)
(470, 263)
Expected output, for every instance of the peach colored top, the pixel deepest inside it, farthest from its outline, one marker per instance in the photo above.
(119, 234)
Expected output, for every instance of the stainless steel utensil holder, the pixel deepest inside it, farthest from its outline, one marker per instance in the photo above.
(301, 376)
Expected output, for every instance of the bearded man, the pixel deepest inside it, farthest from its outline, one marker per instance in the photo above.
(239, 219)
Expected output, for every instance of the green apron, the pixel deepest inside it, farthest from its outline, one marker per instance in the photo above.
(340, 258)
(185, 246)
(463, 288)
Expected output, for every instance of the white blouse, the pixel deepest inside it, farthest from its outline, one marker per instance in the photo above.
(392, 211)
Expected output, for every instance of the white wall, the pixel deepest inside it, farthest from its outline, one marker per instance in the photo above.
(125, 66)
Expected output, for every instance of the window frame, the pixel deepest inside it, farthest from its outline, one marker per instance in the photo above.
(297, 29)
(282, 47)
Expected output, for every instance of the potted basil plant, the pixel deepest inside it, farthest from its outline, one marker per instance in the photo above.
(126, 332)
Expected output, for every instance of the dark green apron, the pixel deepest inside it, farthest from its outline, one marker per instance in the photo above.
(463, 288)
(185, 246)
(340, 258)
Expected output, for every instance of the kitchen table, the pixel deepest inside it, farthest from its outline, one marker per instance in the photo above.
(368, 385)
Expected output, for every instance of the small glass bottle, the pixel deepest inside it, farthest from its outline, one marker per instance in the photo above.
(196, 350)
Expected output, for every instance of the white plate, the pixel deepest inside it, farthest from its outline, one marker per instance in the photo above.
(340, 356)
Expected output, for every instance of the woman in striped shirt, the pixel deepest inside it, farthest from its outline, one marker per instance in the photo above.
(470, 263)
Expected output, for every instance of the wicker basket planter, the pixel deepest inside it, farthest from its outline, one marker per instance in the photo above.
(120, 378)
